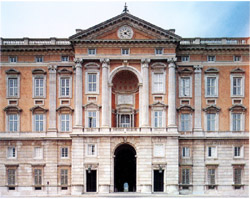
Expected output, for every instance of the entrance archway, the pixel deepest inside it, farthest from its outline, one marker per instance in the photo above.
(125, 168)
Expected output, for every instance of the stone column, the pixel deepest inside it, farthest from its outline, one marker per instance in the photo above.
(197, 97)
(105, 93)
(78, 94)
(171, 95)
(52, 98)
(145, 93)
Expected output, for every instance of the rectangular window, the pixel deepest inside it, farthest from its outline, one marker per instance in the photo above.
(237, 151)
(185, 152)
(158, 83)
(158, 119)
(211, 121)
(211, 152)
(39, 122)
(38, 152)
(125, 121)
(92, 82)
(65, 122)
(237, 86)
(237, 176)
(64, 176)
(39, 58)
(211, 58)
(92, 119)
(12, 87)
(211, 176)
(91, 149)
(236, 120)
(237, 58)
(38, 176)
(185, 122)
(91, 51)
(11, 176)
(125, 51)
(185, 90)
(185, 58)
(39, 87)
(185, 176)
(13, 122)
(64, 152)
(65, 58)
(159, 51)
(64, 90)
(11, 152)
(13, 59)
(211, 87)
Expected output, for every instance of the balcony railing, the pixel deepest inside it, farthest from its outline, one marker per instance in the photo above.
(215, 41)
(31, 41)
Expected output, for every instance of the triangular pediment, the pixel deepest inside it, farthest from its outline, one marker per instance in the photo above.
(108, 30)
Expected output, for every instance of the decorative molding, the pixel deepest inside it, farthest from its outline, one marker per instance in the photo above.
(105, 62)
(92, 65)
(38, 108)
(237, 108)
(12, 72)
(185, 108)
(11, 108)
(212, 108)
(198, 68)
(92, 105)
(39, 71)
(158, 104)
(185, 71)
(52, 68)
(158, 65)
(64, 71)
(237, 70)
(61, 109)
(212, 70)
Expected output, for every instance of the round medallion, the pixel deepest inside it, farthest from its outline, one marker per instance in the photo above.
(125, 32)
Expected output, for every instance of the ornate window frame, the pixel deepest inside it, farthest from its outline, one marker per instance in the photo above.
(158, 106)
(185, 109)
(158, 68)
(92, 107)
(39, 73)
(67, 74)
(238, 109)
(10, 110)
(64, 110)
(92, 68)
(212, 109)
(38, 110)
(12, 74)
(212, 73)
(237, 73)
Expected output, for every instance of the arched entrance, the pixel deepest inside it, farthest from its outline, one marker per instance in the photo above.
(125, 168)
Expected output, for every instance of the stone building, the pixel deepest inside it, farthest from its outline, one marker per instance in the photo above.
(124, 106)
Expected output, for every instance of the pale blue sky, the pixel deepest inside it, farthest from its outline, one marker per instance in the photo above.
(60, 19)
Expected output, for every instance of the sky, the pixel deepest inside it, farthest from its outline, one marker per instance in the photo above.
(44, 19)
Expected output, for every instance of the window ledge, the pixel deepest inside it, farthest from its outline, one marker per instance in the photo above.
(11, 185)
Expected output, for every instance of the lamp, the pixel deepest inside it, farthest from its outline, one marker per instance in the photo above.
(89, 169)
(160, 169)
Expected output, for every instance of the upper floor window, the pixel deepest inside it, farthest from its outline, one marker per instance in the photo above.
(13, 122)
(237, 86)
(185, 58)
(185, 87)
(39, 122)
(39, 58)
(12, 59)
(185, 152)
(211, 121)
(159, 51)
(158, 117)
(125, 51)
(185, 122)
(91, 51)
(39, 86)
(211, 58)
(65, 122)
(212, 152)
(238, 151)
(65, 58)
(237, 58)
(158, 82)
(64, 86)
(92, 81)
(11, 153)
(237, 121)
(211, 88)
(12, 87)
(92, 119)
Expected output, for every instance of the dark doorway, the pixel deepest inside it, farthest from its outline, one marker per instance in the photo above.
(91, 181)
(125, 168)
(158, 180)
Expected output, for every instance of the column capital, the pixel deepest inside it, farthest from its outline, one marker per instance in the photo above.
(78, 63)
(145, 62)
(105, 62)
(52, 68)
(171, 62)
(197, 68)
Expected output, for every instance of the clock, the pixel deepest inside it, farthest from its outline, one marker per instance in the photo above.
(125, 32)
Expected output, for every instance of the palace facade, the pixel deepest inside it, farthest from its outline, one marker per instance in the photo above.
(124, 106)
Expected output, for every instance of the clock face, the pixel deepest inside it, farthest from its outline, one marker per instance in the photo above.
(125, 32)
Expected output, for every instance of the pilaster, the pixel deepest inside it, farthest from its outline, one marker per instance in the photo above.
(172, 127)
(105, 93)
(144, 97)
(52, 99)
(78, 94)
(197, 98)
